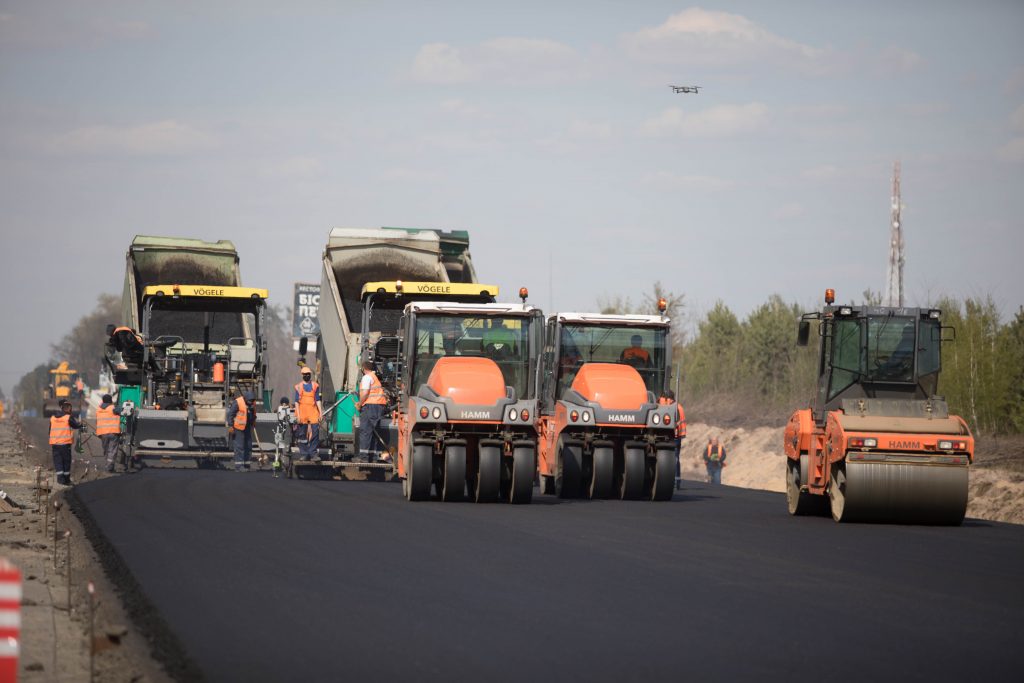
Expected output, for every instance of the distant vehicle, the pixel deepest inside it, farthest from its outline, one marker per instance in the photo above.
(63, 386)
(686, 88)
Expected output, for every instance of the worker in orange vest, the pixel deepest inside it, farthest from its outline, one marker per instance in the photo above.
(372, 404)
(61, 437)
(714, 460)
(242, 421)
(308, 409)
(668, 397)
(636, 355)
(108, 428)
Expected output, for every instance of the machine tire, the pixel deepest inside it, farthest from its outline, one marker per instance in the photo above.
(487, 487)
(799, 502)
(418, 474)
(602, 473)
(837, 493)
(664, 475)
(453, 488)
(524, 466)
(632, 487)
(568, 470)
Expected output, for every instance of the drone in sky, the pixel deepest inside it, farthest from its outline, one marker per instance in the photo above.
(686, 88)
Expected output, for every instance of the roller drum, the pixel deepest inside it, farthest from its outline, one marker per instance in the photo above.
(903, 493)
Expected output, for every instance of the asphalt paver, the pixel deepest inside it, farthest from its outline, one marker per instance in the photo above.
(264, 579)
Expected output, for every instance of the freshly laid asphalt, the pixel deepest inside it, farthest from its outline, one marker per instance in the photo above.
(265, 579)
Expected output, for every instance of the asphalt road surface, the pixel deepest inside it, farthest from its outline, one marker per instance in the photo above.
(268, 579)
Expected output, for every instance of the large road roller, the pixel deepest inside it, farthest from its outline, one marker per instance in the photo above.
(878, 443)
(467, 411)
(603, 432)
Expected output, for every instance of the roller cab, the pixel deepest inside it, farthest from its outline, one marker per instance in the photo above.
(878, 443)
(466, 408)
(602, 432)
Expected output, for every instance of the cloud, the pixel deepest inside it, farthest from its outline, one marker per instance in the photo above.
(789, 211)
(589, 130)
(460, 107)
(1012, 151)
(823, 172)
(503, 60)
(1017, 119)
(666, 180)
(707, 38)
(899, 60)
(720, 121)
(160, 138)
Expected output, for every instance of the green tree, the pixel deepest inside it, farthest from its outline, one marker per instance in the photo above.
(30, 390)
(711, 361)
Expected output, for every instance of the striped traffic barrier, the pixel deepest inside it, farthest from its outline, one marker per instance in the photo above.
(10, 620)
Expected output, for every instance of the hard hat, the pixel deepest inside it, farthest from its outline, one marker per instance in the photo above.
(305, 370)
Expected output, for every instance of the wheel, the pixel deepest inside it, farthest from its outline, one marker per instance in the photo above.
(664, 475)
(632, 474)
(602, 472)
(454, 486)
(837, 493)
(568, 470)
(418, 473)
(524, 466)
(800, 502)
(487, 487)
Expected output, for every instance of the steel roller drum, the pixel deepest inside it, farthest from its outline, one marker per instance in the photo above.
(901, 492)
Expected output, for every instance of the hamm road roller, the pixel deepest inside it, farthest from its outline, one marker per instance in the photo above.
(878, 443)
(467, 410)
(602, 432)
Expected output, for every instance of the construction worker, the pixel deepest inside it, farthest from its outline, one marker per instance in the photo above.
(714, 460)
(636, 355)
(499, 340)
(242, 421)
(371, 405)
(308, 409)
(79, 388)
(61, 438)
(668, 397)
(108, 428)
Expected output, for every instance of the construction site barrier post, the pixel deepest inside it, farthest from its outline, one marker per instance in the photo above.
(10, 621)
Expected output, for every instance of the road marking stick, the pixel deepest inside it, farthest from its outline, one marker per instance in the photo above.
(10, 620)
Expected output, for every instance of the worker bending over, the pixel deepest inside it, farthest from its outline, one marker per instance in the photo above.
(61, 438)
(714, 460)
(308, 409)
(242, 419)
(372, 404)
(108, 428)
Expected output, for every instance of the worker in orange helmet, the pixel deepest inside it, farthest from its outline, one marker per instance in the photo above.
(668, 397)
(308, 409)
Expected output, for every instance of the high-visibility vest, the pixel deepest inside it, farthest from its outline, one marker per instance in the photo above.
(305, 408)
(375, 396)
(106, 421)
(636, 353)
(716, 455)
(60, 430)
(242, 416)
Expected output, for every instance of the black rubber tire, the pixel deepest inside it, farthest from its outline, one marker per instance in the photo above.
(418, 473)
(568, 470)
(664, 475)
(837, 494)
(487, 487)
(602, 473)
(454, 486)
(633, 466)
(800, 502)
(524, 467)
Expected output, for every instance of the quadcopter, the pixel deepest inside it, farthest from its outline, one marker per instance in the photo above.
(686, 88)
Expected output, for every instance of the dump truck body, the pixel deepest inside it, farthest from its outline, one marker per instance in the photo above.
(878, 444)
(467, 407)
(352, 258)
(190, 342)
(602, 431)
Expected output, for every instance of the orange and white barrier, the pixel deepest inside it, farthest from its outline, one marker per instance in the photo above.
(10, 621)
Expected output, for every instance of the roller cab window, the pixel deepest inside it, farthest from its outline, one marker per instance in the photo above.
(891, 349)
(638, 347)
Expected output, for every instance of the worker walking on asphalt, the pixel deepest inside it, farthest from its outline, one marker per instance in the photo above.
(714, 460)
(242, 419)
(61, 437)
(372, 403)
(308, 409)
(668, 397)
(108, 428)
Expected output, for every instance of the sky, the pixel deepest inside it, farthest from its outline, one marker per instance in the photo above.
(546, 129)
